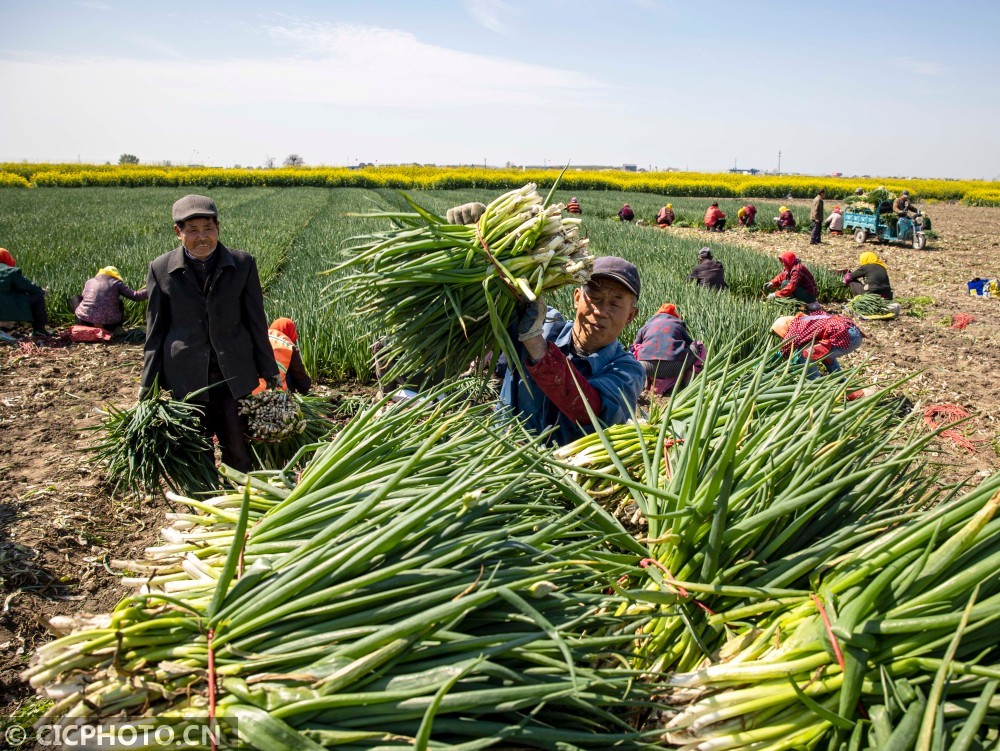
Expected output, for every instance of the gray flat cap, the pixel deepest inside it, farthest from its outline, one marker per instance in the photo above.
(191, 206)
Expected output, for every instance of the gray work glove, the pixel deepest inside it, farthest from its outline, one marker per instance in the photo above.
(532, 320)
(467, 213)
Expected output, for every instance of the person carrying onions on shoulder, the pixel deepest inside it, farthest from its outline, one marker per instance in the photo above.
(871, 277)
(666, 351)
(573, 367)
(283, 337)
(795, 281)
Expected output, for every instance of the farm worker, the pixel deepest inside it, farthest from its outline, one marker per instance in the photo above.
(747, 215)
(816, 216)
(715, 220)
(284, 337)
(795, 280)
(101, 302)
(20, 298)
(573, 365)
(205, 327)
(665, 217)
(835, 222)
(573, 207)
(903, 204)
(708, 272)
(626, 214)
(871, 277)
(818, 337)
(666, 351)
(784, 220)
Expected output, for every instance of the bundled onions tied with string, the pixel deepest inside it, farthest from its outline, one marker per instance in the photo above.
(446, 294)
(272, 415)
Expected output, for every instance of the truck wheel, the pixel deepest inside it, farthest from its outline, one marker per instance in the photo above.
(919, 241)
(860, 235)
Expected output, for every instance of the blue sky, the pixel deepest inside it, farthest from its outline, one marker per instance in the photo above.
(875, 88)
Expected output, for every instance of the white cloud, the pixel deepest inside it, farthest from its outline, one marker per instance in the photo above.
(491, 13)
(920, 67)
(330, 64)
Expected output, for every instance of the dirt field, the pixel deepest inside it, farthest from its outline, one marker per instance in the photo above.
(58, 527)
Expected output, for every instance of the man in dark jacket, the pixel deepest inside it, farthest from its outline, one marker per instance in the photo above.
(708, 272)
(205, 326)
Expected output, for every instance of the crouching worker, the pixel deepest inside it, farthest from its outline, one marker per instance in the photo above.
(795, 281)
(101, 303)
(20, 298)
(283, 337)
(668, 355)
(818, 337)
(871, 277)
(571, 365)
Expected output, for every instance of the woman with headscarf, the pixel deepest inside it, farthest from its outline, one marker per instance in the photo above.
(20, 298)
(665, 217)
(818, 337)
(625, 213)
(785, 220)
(871, 277)
(666, 351)
(573, 207)
(101, 302)
(283, 336)
(795, 280)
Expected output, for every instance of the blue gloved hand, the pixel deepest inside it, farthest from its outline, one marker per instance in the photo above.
(532, 320)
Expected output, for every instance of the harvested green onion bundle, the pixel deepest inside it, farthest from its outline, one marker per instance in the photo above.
(159, 440)
(869, 305)
(272, 415)
(445, 294)
(426, 583)
(895, 648)
(316, 415)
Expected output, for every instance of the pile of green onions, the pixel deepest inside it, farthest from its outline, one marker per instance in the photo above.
(445, 295)
(383, 600)
(869, 305)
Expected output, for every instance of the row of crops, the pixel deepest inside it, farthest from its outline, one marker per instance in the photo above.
(756, 564)
(718, 185)
(60, 239)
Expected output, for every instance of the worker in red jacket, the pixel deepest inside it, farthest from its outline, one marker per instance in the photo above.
(715, 220)
(283, 337)
(795, 280)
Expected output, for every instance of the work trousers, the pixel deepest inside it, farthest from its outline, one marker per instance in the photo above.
(816, 232)
(223, 421)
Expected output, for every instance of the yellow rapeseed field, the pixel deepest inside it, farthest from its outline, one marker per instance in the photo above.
(718, 185)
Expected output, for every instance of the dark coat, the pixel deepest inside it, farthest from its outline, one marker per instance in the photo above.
(184, 326)
(874, 279)
(14, 290)
(708, 273)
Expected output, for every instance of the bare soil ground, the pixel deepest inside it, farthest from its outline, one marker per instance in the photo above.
(59, 525)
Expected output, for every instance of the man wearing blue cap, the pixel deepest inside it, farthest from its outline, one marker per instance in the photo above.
(571, 365)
